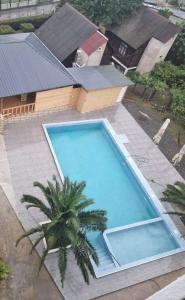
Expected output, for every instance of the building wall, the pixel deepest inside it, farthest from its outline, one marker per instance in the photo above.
(82, 100)
(93, 100)
(129, 58)
(83, 59)
(121, 94)
(155, 52)
(56, 98)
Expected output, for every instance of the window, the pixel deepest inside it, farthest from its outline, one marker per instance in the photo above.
(122, 49)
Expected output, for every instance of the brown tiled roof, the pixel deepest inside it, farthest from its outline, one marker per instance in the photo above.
(142, 26)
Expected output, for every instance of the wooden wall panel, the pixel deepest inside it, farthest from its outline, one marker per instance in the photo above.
(56, 98)
(93, 100)
(83, 100)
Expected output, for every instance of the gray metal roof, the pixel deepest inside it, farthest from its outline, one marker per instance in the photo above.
(26, 65)
(142, 26)
(100, 77)
(65, 31)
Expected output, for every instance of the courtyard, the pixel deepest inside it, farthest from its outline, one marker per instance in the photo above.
(29, 159)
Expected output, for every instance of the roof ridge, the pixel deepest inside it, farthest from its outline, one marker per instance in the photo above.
(14, 39)
(79, 13)
(61, 68)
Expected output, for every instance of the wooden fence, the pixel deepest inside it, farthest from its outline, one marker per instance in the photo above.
(18, 110)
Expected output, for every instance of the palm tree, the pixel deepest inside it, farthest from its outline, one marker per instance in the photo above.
(176, 194)
(70, 221)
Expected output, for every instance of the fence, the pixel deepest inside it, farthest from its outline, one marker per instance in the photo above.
(18, 110)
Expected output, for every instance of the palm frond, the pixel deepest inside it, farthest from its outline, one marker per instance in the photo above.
(62, 263)
(36, 243)
(94, 220)
(43, 257)
(29, 232)
(179, 214)
(50, 198)
(84, 204)
(91, 248)
(82, 252)
(35, 202)
(175, 193)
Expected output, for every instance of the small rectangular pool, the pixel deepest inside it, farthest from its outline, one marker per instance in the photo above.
(138, 231)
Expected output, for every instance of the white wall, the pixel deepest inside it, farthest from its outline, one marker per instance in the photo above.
(92, 60)
(95, 58)
(121, 94)
(155, 52)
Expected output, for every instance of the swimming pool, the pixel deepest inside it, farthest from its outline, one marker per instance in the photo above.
(88, 150)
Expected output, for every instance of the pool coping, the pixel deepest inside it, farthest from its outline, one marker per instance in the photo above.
(142, 181)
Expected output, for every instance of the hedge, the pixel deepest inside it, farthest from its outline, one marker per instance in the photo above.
(27, 27)
(6, 29)
(36, 21)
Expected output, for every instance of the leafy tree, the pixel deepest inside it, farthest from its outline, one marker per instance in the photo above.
(135, 77)
(178, 103)
(177, 52)
(176, 194)
(158, 86)
(168, 79)
(107, 12)
(66, 208)
(165, 12)
(173, 76)
(146, 80)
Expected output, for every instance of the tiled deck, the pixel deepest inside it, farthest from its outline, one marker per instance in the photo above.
(30, 159)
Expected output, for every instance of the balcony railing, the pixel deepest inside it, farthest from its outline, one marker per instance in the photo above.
(18, 110)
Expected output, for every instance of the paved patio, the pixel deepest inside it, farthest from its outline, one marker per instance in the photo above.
(30, 159)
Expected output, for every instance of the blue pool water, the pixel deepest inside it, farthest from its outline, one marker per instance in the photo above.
(154, 235)
(87, 152)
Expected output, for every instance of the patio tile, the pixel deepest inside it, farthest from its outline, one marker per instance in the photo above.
(30, 159)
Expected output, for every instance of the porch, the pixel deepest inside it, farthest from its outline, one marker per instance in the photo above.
(17, 105)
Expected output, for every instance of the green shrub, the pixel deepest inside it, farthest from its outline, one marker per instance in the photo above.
(37, 21)
(27, 27)
(178, 103)
(4, 271)
(165, 12)
(6, 29)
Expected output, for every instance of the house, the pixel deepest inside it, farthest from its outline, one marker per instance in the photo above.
(72, 38)
(140, 42)
(32, 79)
(102, 86)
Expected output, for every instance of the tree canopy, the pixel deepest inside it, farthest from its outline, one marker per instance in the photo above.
(106, 12)
(169, 79)
(177, 52)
